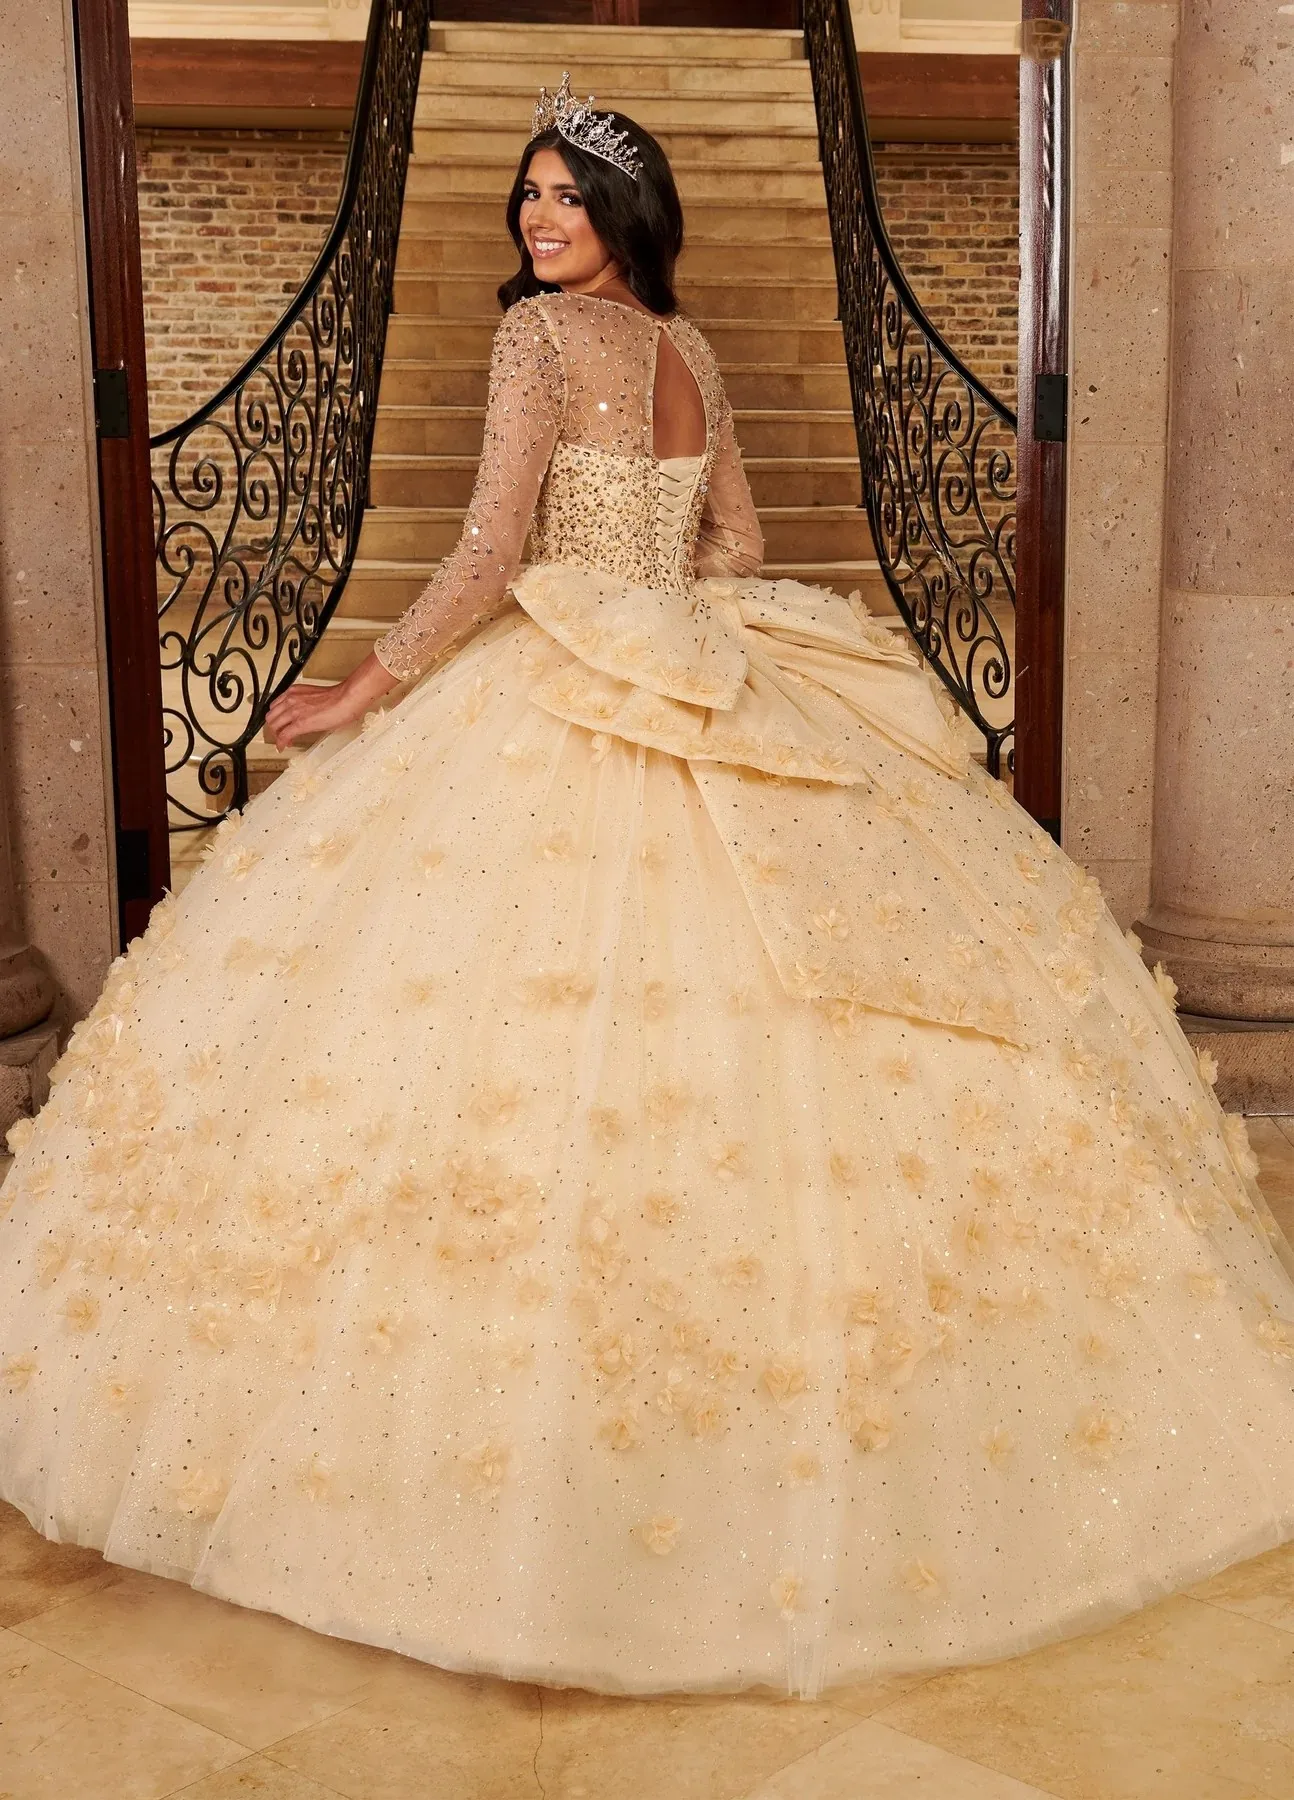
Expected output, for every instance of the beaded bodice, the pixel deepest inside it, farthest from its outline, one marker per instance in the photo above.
(624, 515)
(568, 464)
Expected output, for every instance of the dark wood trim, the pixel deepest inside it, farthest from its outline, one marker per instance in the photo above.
(125, 495)
(927, 97)
(1044, 351)
(244, 81)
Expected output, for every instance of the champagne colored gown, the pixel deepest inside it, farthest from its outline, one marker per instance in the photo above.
(640, 1168)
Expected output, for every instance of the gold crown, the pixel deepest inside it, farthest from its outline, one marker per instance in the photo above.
(587, 130)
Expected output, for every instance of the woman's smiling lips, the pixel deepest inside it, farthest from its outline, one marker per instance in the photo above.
(545, 246)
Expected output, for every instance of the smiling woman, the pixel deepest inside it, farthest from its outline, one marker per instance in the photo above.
(568, 207)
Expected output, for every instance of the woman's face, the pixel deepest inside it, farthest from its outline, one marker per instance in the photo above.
(563, 246)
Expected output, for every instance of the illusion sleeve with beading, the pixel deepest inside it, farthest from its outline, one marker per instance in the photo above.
(523, 417)
(730, 541)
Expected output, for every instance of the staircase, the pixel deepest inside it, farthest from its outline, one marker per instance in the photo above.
(734, 111)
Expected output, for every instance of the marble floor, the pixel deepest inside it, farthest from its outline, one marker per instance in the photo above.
(117, 1686)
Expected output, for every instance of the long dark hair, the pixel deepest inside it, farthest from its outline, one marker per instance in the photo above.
(640, 222)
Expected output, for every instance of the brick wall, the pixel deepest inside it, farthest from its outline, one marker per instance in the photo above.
(230, 221)
(953, 214)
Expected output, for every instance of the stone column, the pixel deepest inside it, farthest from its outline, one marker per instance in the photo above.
(1221, 913)
(56, 888)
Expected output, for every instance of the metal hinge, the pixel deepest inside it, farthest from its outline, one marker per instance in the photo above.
(112, 403)
(1050, 409)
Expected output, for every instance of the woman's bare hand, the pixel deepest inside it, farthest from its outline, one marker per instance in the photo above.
(307, 709)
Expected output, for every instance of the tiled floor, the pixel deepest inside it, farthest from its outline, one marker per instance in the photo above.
(117, 1686)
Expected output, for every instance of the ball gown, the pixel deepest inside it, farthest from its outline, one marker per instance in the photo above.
(640, 1167)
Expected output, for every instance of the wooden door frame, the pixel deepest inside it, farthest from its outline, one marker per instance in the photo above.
(1045, 89)
(101, 35)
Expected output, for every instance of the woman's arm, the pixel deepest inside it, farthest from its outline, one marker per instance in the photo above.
(729, 541)
(523, 417)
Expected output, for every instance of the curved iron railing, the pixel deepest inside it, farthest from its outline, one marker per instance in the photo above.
(937, 449)
(259, 495)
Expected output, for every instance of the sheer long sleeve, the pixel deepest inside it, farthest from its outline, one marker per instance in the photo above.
(729, 541)
(523, 417)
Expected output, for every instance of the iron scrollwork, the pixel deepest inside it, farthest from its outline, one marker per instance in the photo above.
(938, 450)
(259, 495)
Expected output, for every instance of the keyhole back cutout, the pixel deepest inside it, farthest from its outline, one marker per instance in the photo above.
(677, 410)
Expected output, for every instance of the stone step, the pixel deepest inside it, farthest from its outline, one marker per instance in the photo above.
(444, 178)
(565, 46)
(713, 144)
(446, 480)
(492, 255)
(458, 430)
(791, 533)
(739, 219)
(613, 81)
(421, 381)
(511, 109)
(800, 342)
(380, 591)
(460, 296)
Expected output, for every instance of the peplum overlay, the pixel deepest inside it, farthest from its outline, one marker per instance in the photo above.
(640, 1166)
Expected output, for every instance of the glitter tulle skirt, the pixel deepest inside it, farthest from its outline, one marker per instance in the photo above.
(520, 1209)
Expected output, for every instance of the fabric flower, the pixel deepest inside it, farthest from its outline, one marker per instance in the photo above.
(615, 1353)
(887, 909)
(655, 1000)
(317, 1478)
(742, 1271)
(239, 864)
(869, 1425)
(999, 1446)
(1097, 1434)
(485, 1467)
(729, 1161)
(1236, 1134)
(784, 1378)
(707, 1418)
(831, 924)
(556, 847)
(606, 1126)
(198, 1492)
(19, 1135)
(920, 1577)
(1165, 986)
(385, 1333)
(913, 1168)
(497, 1102)
(549, 988)
(660, 1533)
(81, 1311)
(620, 1432)
(1207, 1064)
(665, 1102)
(1277, 1338)
(661, 1208)
(785, 1593)
(803, 1469)
(18, 1371)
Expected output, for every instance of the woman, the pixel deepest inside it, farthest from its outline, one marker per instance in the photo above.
(641, 1167)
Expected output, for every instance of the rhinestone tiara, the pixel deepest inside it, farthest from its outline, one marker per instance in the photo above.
(586, 129)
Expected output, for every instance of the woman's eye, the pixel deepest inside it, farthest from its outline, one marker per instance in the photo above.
(571, 200)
